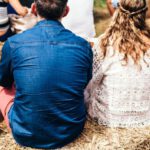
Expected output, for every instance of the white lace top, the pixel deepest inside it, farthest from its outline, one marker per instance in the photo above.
(118, 95)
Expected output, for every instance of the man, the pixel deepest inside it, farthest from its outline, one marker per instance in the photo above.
(50, 68)
(80, 19)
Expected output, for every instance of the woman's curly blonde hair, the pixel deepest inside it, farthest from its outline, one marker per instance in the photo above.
(128, 32)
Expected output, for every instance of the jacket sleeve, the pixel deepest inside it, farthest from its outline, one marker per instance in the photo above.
(6, 75)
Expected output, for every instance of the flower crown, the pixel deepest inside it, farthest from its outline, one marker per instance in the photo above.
(131, 14)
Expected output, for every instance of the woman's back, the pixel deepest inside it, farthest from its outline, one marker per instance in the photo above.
(119, 92)
(121, 95)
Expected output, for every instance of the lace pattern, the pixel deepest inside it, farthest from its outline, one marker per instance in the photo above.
(117, 95)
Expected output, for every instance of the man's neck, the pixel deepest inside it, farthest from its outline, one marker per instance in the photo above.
(39, 18)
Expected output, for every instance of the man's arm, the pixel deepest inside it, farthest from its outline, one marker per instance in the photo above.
(112, 5)
(6, 75)
(148, 12)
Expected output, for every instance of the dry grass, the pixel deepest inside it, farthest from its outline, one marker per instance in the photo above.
(95, 137)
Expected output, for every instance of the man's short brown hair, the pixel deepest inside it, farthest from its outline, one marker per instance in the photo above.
(50, 9)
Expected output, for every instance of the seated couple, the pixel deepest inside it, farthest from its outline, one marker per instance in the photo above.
(44, 72)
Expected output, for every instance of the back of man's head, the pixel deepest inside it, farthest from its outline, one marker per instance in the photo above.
(50, 9)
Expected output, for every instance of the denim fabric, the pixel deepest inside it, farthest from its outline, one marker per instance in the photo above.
(50, 67)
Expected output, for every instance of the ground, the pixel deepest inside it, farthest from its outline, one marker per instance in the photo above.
(95, 137)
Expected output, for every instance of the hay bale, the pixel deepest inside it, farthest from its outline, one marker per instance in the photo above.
(95, 137)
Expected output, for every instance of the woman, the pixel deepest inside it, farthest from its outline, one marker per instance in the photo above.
(119, 93)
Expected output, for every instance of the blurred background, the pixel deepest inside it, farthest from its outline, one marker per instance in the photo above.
(100, 3)
(101, 16)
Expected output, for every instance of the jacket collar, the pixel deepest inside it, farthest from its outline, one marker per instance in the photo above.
(49, 23)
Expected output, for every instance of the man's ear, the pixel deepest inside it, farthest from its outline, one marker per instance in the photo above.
(66, 11)
(33, 8)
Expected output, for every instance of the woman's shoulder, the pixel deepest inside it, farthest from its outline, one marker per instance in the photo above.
(96, 46)
(99, 60)
(97, 53)
(96, 41)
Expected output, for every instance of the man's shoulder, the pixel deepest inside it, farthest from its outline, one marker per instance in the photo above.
(34, 35)
(25, 36)
(73, 38)
(28, 36)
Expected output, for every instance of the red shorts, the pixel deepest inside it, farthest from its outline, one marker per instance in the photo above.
(6, 101)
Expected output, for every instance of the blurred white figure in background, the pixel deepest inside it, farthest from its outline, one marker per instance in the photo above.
(80, 19)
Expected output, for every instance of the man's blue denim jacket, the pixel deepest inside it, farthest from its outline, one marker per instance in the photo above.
(50, 67)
